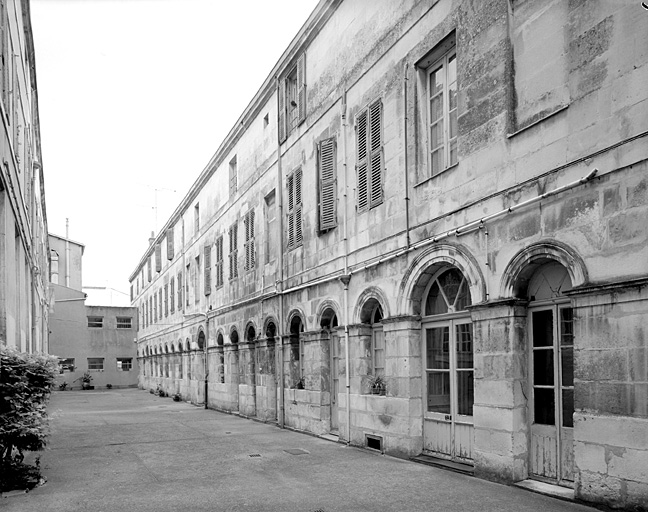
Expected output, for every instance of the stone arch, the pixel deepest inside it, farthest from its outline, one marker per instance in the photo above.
(220, 339)
(234, 335)
(295, 312)
(250, 332)
(328, 313)
(201, 339)
(180, 345)
(428, 264)
(523, 265)
(366, 301)
(188, 343)
(270, 327)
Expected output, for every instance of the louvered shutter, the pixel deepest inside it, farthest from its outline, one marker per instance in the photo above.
(246, 221)
(291, 212)
(301, 89)
(327, 188)
(207, 269)
(219, 261)
(361, 149)
(169, 240)
(172, 294)
(158, 257)
(180, 288)
(298, 207)
(251, 258)
(376, 154)
(149, 270)
(281, 107)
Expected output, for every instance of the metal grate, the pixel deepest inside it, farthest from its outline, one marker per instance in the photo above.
(296, 451)
(255, 455)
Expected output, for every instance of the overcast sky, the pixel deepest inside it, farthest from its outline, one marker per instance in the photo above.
(135, 97)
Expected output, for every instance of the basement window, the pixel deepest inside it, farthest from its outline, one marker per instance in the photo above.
(373, 442)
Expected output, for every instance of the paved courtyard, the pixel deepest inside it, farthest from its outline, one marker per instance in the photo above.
(128, 450)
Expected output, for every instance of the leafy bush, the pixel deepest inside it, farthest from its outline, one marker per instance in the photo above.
(26, 381)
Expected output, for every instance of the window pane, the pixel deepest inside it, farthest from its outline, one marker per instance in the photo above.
(453, 124)
(438, 392)
(436, 81)
(438, 356)
(543, 328)
(436, 134)
(436, 162)
(452, 97)
(463, 299)
(435, 303)
(567, 365)
(567, 326)
(379, 352)
(543, 368)
(452, 69)
(453, 152)
(465, 392)
(568, 407)
(450, 281)
(544, 403)
(436, 108)
(464, 346)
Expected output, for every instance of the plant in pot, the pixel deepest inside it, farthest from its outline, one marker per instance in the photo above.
(377, 384)
(86, 379)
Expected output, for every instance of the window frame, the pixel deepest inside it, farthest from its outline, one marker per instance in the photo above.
(95, 362)
(327, 184)
(122, 360)
(123, 324)
(95, 320)
(292, 92)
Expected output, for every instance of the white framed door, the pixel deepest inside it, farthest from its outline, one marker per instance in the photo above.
(335, 380)
(448, 389)
(551, 377)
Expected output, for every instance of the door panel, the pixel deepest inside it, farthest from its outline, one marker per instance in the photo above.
(335, 380)
(552, 379)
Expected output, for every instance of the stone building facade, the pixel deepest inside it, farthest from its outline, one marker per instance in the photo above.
(426, 235)
(24, 252)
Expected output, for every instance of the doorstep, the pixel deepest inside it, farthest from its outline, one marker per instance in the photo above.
(466, 469)
(553, 490)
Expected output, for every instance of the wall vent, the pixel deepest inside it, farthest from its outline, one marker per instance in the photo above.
(374, 442)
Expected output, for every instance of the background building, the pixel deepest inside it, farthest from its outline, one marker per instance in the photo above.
(95, 338)
(24, 265)
(426, 235)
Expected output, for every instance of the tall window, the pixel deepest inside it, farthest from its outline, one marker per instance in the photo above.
(187, 279)
(292, 99)
(370, 160)
(270, 221)
(166, 300)
(169, 240)
(172, 294)
(295, 236)
(196, 219)
(233, 254)
(219, 261)
(442, 112)
(377, 342)
(155, 306)
(160, 302)
(207, 251)
(158, 257)
(233, 176)
(180, 288)
(327, 184)
(248, 220)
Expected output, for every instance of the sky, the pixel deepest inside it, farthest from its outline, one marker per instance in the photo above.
(135, 97)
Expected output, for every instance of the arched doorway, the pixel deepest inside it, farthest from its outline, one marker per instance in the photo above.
(328, 323)
(448, 384)
(551, 374)
(296, 353)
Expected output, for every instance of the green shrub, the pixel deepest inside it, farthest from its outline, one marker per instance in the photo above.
(26, 381)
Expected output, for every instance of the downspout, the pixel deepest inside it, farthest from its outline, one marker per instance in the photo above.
(345, 278)
(280, 280)
(405, 168)
(206, 366)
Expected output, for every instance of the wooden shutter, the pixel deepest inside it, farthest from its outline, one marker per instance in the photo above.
(149, 271)
(327, 184)
(291, 212)
(281, 108)
(207, 264)
(172, 294)
(158, 257)
(249, 240)
(361, 152)
(180, 288)
(252, 252)
(169, 240)
(233, 269)
(301, 89)
(376, 154)
(219, 261)
(298, 207)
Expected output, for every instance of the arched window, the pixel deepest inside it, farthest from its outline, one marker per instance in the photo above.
(221, 358)
(448, 293)
(296, 352)
(372, 314)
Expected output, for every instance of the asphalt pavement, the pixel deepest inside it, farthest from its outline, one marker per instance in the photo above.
(129, 450)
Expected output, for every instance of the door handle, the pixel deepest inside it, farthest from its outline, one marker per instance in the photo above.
(448, 417)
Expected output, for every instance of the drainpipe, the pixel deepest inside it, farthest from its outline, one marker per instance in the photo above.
(407, 199)
(280, 282)
(346, 277)
(67, 253)
(206, 365)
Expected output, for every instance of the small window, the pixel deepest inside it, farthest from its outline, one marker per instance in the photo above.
(95, 321)
(96, 364)
(66, 365)
(124, 364)
(124, 322)
(197, 218)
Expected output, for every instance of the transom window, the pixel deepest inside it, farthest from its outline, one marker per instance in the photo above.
(448, 293)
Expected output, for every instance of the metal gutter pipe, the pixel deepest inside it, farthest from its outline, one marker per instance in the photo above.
(280, 321)
(405, 169)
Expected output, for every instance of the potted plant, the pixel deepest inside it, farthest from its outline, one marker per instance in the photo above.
(86, 379)
(109, 386)
(377, 384)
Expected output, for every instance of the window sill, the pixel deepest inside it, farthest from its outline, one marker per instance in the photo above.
(425, 180)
